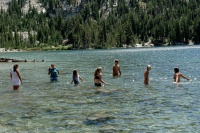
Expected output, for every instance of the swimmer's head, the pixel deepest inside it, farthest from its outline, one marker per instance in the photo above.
(75, 72)
(176, 69)
(52, 65)
(116, 60)
(148, 67)
(15, 67)
(99, 69)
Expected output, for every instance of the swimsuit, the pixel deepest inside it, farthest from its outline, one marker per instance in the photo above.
(76, 79)
(97, 84)
(54, 74)
(53, 79)
(96, 77)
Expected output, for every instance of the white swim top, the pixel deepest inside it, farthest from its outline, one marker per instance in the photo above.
(14, 74)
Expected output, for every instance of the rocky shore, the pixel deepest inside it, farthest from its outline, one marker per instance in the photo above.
(13, 50)
(17, 60)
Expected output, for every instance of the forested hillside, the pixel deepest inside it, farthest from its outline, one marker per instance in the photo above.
(100, 23)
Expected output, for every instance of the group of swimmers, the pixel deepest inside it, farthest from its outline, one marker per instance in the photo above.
(177, 75)
(54, 72)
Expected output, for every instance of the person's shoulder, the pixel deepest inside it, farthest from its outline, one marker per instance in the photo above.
(145, 71)
(17, 71)
(180, 74)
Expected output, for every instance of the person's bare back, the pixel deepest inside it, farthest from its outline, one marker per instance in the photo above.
(178, 75)
(146, 75)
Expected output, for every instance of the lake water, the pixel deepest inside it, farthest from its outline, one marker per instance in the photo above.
(125, 105)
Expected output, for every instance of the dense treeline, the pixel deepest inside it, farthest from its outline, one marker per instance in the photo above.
(101, 23)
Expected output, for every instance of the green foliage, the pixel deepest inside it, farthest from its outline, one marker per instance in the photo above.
(100, 23)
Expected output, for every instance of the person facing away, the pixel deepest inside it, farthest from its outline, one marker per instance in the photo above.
(53, 72)
(146, 75)
(76, 77)
(98, 77)
(15, 77)
(116, 68)
(178, 75)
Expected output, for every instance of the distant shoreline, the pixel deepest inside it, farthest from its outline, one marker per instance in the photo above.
(53, 48)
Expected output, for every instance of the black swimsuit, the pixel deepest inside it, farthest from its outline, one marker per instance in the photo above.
(97, 84)
(96, 77)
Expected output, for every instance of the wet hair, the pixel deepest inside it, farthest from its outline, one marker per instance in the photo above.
(116, 60)
(176, 69)
(75, 73)
(97, 71)
(15, 67)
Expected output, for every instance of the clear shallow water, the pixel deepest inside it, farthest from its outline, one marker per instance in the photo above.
(125, 105)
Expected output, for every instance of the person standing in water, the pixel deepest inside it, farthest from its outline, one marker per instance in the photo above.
(146, 75)
(76, 77)
(178, 75)
(15, 77)
(98, 77)
(53, 72)
(116, 69)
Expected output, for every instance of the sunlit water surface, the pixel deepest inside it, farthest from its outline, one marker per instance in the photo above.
(125, 105)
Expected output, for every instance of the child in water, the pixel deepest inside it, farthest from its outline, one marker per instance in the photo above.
(15, 77)
(178, 75)
(116, 68)
(76, 77)
(53, 72)
(146, 75)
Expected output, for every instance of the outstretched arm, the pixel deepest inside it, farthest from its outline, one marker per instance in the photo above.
(184, 77)
(100, 78)
(81, 79)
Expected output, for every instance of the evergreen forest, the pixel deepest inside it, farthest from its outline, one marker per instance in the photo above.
(100, 23)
